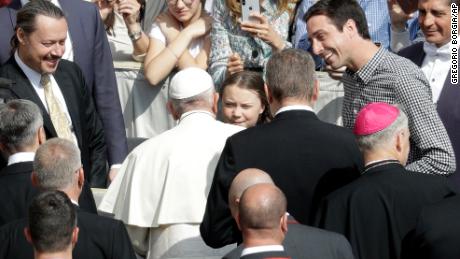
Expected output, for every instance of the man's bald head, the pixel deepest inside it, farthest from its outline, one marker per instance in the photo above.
(261, 207)
(242, 181)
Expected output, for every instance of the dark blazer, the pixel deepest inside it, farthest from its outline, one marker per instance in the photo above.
(17, 192)
(437, 234)
(377, 211)
(448, 104)
(92, 54)
(306, 158)
(99, 238)
(304, 242)
(86, 122)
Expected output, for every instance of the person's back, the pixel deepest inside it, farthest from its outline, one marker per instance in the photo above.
(305, 157)
(376, 211)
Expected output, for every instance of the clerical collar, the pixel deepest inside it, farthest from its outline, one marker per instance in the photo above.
(377, 163)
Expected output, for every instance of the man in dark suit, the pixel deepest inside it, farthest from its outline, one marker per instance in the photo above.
(376, 211)
(437, 234)
(433, 57)
(56, 86)
(88, 47)
(52, 228)
(306, 157)
(57, 167)
(21, 133)
(301, 242)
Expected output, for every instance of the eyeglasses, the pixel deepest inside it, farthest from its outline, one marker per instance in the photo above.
(186, 2)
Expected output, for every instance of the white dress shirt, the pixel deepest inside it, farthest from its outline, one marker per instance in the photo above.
(294, 107)
(21, 157)
(68, 53)
(260, 249)
(34, 79)
(436, 66)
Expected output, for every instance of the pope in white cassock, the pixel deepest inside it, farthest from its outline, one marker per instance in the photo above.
(161, 189)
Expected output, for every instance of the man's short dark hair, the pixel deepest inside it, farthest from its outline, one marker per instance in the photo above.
(340, 11)
(291, 73)
(52, 220)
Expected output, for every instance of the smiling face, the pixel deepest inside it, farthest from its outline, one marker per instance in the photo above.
(327, 41)
(241, 106)
(42, 49)
(184, 10)
(434, 19)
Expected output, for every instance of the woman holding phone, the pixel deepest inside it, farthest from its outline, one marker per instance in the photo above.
(246, 45)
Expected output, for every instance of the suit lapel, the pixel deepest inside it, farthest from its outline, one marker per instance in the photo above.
(24, 90)
(417, 58)
(68, 91)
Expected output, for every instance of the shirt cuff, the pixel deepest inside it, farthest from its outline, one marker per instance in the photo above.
(115, 166)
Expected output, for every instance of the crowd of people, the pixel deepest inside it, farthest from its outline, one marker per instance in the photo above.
(191, 129)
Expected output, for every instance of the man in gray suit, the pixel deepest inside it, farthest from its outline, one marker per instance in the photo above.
(301, 241)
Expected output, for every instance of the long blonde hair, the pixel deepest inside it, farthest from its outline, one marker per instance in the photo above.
(235, 7)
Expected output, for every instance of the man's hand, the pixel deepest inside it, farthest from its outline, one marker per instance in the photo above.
(398, 16)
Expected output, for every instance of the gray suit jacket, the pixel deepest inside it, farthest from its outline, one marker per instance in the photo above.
(305, 242)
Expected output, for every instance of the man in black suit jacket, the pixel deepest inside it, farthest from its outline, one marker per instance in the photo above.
(91, 52)
(52, 227)
(306, 157)
(21, 133)
(38, 55)
(301, 242)
(437, 234)
(57, 167)
(433, 57)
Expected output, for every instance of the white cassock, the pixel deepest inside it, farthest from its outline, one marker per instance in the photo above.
(166, 179)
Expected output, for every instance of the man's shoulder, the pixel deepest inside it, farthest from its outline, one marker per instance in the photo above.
(68, 5)
(416, 48)
(98, 224)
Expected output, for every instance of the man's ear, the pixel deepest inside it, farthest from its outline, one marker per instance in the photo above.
(268, 93)
(21, 35)
(28, 235)
(171, 110)
(284, 223)
(315, 93)
(399, 143)
(41, 135)
(81, 177)
(350, 26)
(34, 179)
(75, 232)
(237, 219)
(215, 103)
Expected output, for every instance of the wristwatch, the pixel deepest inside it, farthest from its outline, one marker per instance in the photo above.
(135, 35)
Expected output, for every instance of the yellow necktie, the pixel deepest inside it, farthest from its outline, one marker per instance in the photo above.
(58, 118)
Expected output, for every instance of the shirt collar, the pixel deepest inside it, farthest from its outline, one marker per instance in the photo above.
(33, 76)
(366, 73)
(294, 107)
(21, 157)
(431, 50)
(259, 249)
(187, 114)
